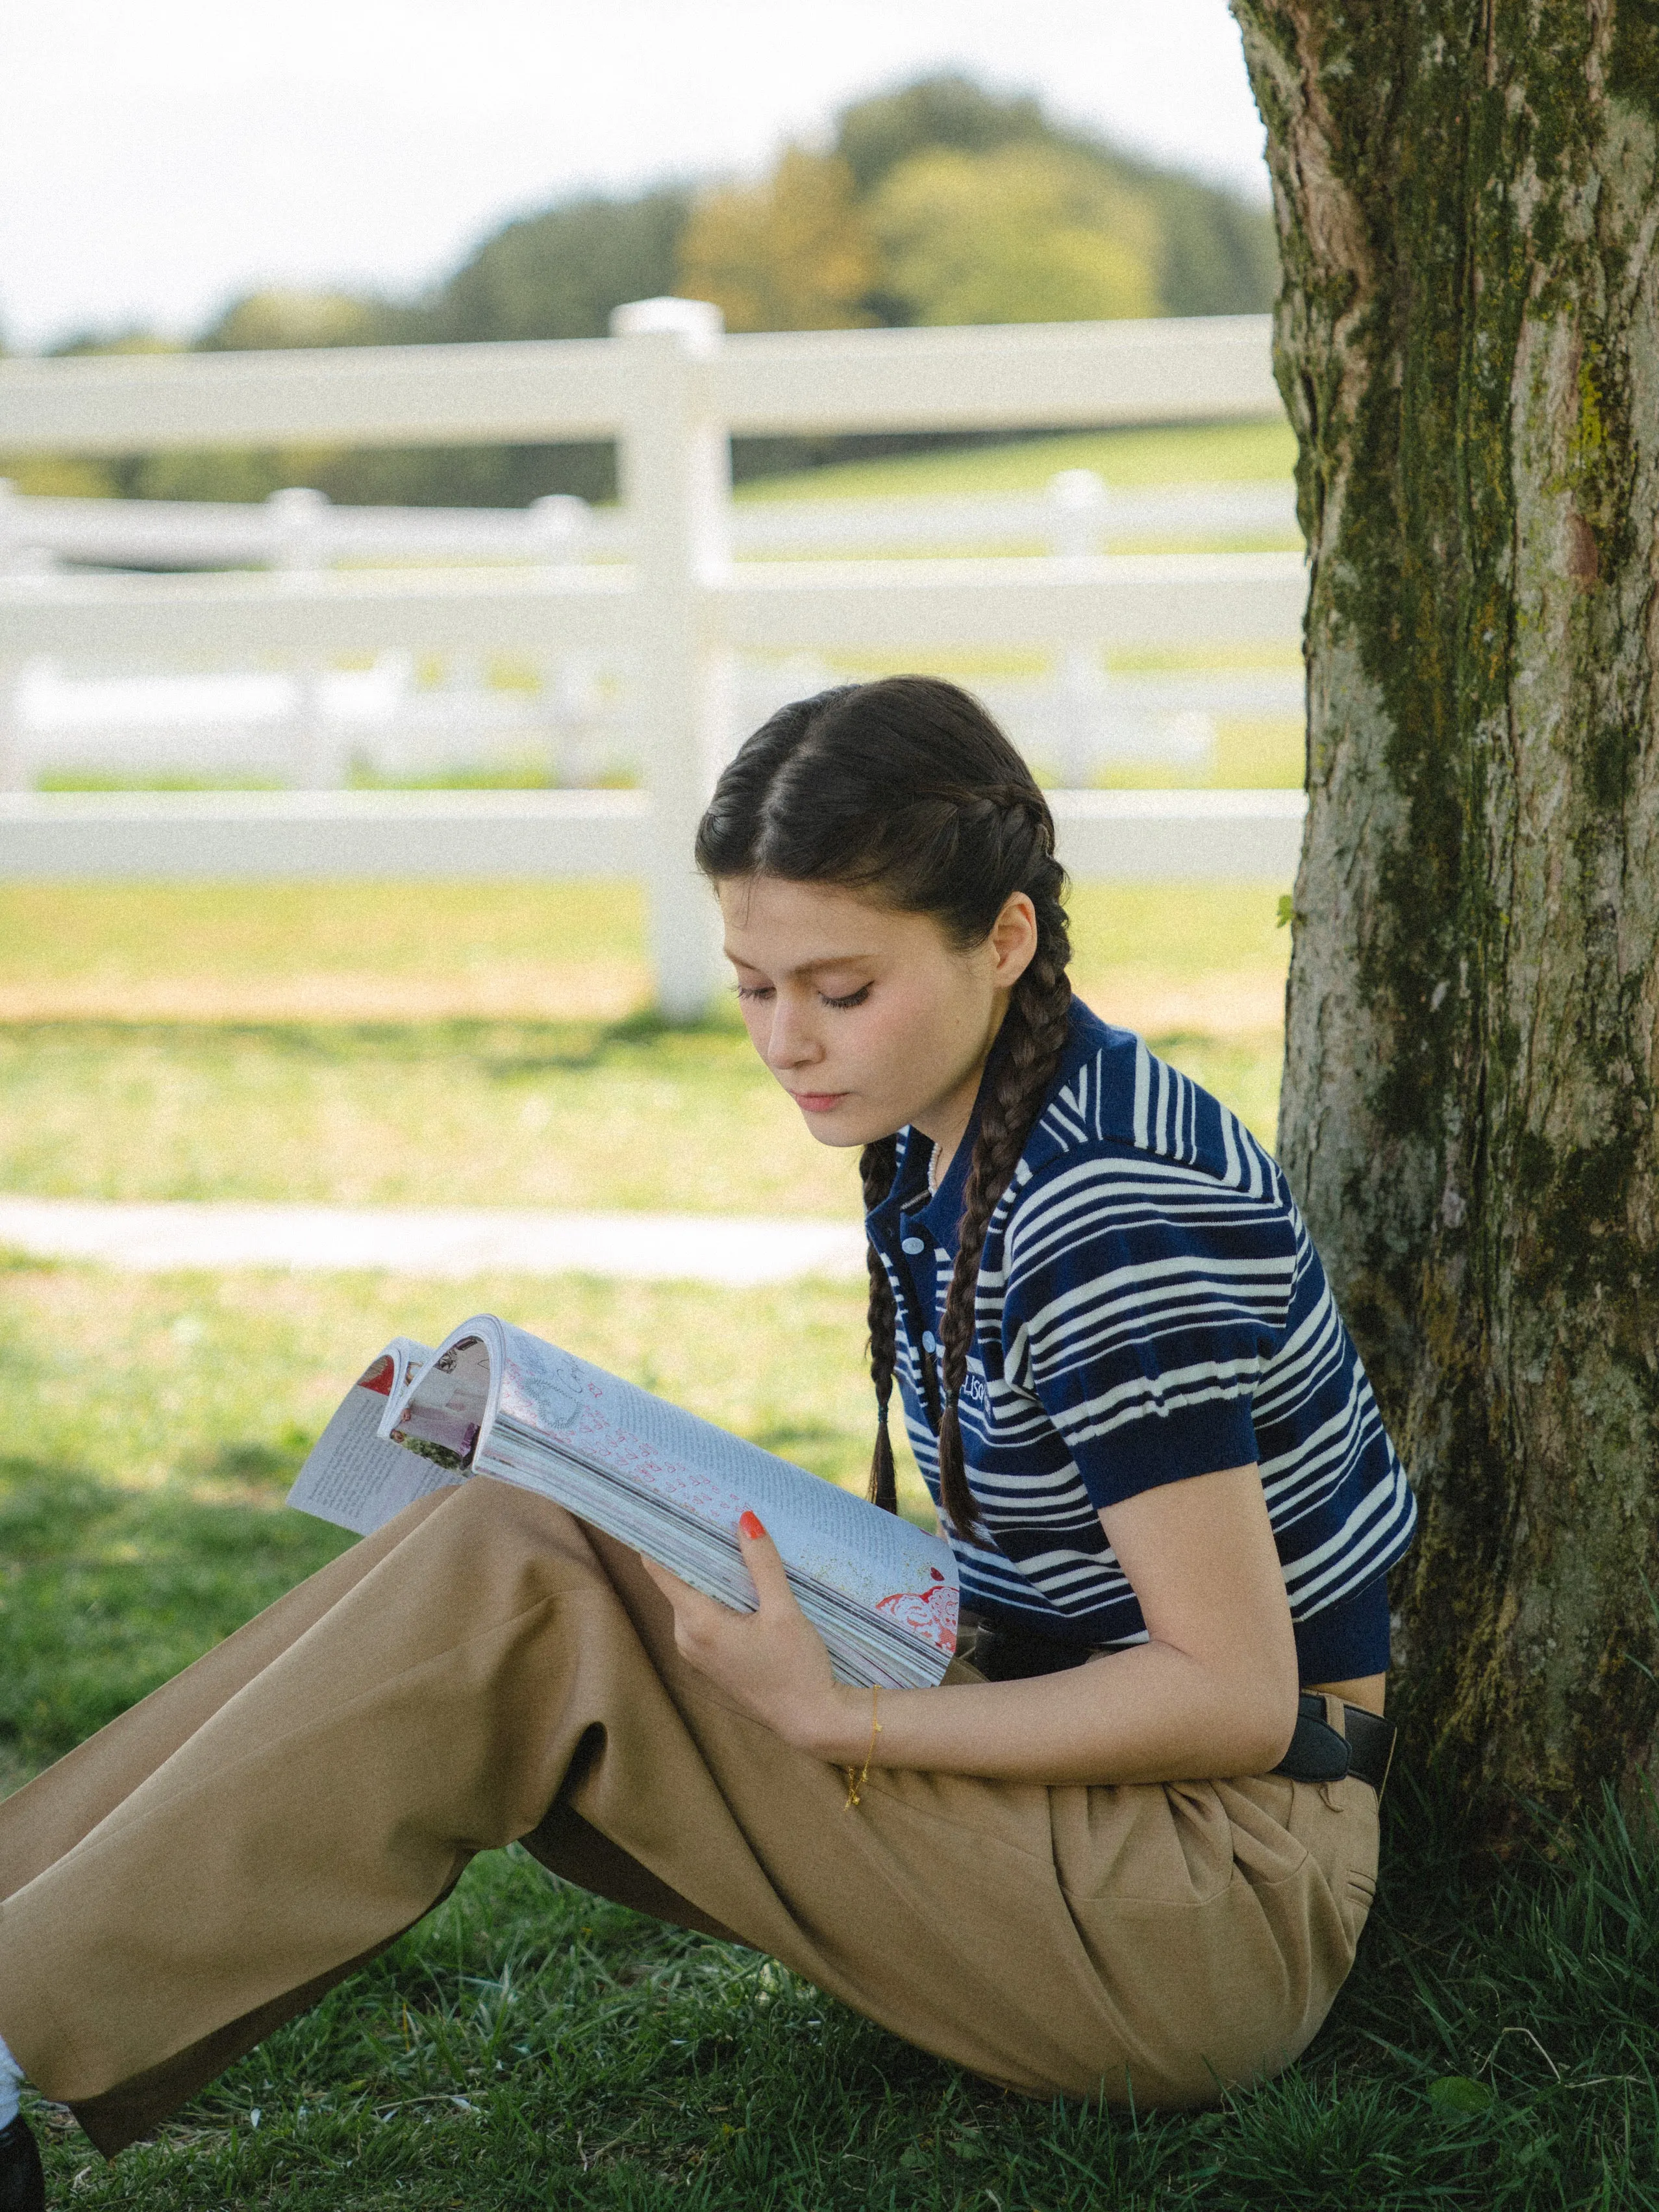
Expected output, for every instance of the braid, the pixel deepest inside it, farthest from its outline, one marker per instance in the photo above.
(906, 792)
(1029, 1051)
(877, 1165)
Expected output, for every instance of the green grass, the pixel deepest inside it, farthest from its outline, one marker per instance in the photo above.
(128, 1072)
(533, 770)
(531, 2046)
(214, 1384)
(117, 938)
(457, 1114)
(528, 2046)
(119, 935)
(104, 1593)
(1204, 452)
(154, 1424)
(547, 1114)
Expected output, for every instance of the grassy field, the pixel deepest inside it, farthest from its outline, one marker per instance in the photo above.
(363, 950)
(1131, 461)
(154, 1425)
(481, 1045)
(529, 2046)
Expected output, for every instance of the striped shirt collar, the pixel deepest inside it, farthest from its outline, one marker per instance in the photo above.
(938, 1216)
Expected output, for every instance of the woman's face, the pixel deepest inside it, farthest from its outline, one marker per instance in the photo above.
(869, 1018)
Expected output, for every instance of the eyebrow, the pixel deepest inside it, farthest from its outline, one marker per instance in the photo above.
(806, 966)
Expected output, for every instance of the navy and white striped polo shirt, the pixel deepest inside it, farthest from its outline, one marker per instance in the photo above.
(1149, 1307)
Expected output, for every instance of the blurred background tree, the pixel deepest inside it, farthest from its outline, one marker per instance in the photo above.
(558, 275)
(1212, 252)
(1025, 234)
(792, 252)
(940, 203)
(263, 320)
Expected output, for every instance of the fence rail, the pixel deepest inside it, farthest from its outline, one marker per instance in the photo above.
(670, 590)
(1126, 835)
(1078, 513)
(774, 606)
(1028, 376)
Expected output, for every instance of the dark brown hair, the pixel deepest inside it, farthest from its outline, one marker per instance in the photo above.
(907, 790)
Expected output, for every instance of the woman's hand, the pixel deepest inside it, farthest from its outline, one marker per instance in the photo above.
(771, 1663)
(1211, 1691)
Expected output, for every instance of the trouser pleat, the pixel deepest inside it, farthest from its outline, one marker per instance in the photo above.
(485, 1669)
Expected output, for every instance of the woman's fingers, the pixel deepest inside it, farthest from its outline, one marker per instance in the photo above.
(764, 1562)
(762, 1558)
(772, 1662)
(669, 1585)
(690, 1606)
(718, 1638)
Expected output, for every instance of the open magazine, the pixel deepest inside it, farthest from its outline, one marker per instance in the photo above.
(493, 1400)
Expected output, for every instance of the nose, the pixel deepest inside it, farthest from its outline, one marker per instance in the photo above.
(790, 1043)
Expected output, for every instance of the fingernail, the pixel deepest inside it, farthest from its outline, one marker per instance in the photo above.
(750, 1524)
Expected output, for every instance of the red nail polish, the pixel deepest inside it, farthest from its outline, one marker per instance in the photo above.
(750, 1524)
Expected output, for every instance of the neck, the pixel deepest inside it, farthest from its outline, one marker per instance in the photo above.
(946, 1121)
(947, 1131)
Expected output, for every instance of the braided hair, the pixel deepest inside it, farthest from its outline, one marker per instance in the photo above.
(906, 789)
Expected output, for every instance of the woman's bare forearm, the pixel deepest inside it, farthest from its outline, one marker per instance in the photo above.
(1212, 1692)
(1148, 1714)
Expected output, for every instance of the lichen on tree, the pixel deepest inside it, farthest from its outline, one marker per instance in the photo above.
(1468, 341)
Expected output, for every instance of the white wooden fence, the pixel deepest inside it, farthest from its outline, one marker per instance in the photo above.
(1076, 513)
(572, 716)
(673, 588)
(1138, 835)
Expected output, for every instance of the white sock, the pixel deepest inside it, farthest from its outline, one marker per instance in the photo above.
(11, 2074)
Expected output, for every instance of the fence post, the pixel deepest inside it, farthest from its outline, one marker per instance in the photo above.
(676, 470)
(1079, 501)
(14, 766)
(557, 532)
(299, 545)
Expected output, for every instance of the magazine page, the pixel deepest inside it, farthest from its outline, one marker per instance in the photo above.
(825, 1533)
(500, 1401)
(353, 1476)
(440, 1412)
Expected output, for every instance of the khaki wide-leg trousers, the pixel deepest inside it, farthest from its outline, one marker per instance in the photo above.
(485, 1667)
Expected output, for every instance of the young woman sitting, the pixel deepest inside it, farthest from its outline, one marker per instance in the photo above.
(1125, 1850)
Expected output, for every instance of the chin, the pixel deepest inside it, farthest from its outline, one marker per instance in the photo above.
(840, 1141)
(841, 1133)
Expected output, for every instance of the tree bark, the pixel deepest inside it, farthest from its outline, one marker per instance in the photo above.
(1467, 340)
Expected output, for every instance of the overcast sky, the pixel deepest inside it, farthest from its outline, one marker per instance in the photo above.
(159, 156)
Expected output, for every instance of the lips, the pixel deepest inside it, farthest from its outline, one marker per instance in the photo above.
(817, 1102)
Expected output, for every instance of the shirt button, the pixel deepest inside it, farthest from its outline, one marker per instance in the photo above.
(913, 1245)
(929, 1342)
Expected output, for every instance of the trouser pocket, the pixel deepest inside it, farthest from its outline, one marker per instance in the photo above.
(1337, 1824)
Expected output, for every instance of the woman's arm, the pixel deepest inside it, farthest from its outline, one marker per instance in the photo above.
(1212, 1691)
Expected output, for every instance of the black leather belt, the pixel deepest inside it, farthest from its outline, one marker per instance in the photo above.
(1318, 1752)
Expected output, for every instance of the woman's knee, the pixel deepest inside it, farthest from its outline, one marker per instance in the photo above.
(483, 1520)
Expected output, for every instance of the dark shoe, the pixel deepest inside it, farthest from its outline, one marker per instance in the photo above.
(22, 2184)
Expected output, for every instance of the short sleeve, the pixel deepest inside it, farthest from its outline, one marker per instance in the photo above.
(1143, 1300)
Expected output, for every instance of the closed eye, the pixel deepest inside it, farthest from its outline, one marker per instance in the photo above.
(844, 1005)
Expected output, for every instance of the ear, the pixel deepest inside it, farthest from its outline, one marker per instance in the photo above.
(1014, 940)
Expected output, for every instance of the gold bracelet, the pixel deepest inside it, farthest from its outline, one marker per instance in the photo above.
(856, 1781)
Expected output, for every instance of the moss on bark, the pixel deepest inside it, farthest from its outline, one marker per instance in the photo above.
(1467, 340)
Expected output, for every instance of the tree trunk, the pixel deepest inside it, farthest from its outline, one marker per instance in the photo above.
(1467, 340)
